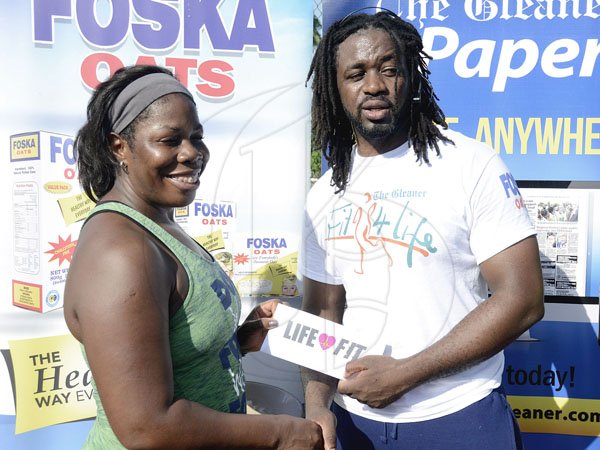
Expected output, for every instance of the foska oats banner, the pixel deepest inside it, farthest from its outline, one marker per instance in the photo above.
(245, 62)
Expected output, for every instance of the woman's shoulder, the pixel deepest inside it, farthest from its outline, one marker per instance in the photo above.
(112, 234)
(118, 267)
(117, 248)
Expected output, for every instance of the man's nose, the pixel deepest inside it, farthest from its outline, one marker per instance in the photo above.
(374, 83)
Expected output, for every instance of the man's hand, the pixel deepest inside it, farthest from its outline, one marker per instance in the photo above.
(374, 380)
(327, 421)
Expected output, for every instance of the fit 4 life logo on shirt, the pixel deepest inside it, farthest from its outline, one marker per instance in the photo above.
(373, 225)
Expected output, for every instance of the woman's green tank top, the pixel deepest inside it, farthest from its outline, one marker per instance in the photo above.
(205, 353)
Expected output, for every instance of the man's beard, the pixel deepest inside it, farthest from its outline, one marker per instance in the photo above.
(375, 131)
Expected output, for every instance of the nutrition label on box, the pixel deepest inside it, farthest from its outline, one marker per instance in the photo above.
(26, 227)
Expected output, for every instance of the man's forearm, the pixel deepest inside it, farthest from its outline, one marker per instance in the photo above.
(380, 380)
(515, 278)
(483, 333)
(318, 388)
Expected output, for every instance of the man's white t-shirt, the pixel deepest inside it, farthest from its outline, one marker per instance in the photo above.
(406, 239)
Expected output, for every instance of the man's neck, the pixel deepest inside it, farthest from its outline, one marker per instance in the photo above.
(373, 147)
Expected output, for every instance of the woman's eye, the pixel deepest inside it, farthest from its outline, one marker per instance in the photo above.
(171, 141)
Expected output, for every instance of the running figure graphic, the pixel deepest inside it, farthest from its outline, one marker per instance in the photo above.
(362, 232)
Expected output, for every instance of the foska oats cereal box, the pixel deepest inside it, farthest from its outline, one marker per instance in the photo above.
(47, 213)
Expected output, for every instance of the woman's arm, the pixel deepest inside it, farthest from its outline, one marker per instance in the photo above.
(117, 305)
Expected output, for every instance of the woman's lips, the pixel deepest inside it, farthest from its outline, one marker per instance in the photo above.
(187, 181)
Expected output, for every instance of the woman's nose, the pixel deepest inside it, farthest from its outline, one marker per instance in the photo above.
(191, 153)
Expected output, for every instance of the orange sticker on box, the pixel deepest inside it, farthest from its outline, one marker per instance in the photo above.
(57, 187)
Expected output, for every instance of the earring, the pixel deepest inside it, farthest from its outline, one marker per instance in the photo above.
(417, 95)
(124, 167)
(416, 98)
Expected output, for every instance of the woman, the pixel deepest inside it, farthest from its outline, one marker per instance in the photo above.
(155, 313)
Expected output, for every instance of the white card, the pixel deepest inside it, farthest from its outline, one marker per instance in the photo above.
(317, 343)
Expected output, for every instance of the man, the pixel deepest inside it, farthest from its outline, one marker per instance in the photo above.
(407, 242)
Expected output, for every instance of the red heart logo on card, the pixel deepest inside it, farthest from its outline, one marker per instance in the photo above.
(326, 341)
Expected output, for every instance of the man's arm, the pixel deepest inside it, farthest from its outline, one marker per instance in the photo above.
(515, 279)
(328, 301)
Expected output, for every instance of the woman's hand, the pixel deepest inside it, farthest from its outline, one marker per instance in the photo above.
(295, 433)
(253, 331)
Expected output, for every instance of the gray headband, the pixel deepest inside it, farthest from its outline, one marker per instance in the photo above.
(138, 95)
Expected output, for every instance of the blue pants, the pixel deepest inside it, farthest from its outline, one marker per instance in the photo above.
(488, 424)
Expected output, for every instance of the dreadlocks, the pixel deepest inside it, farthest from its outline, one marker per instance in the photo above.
(332, 128)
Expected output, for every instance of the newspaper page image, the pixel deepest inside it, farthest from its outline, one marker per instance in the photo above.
(560, 219)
